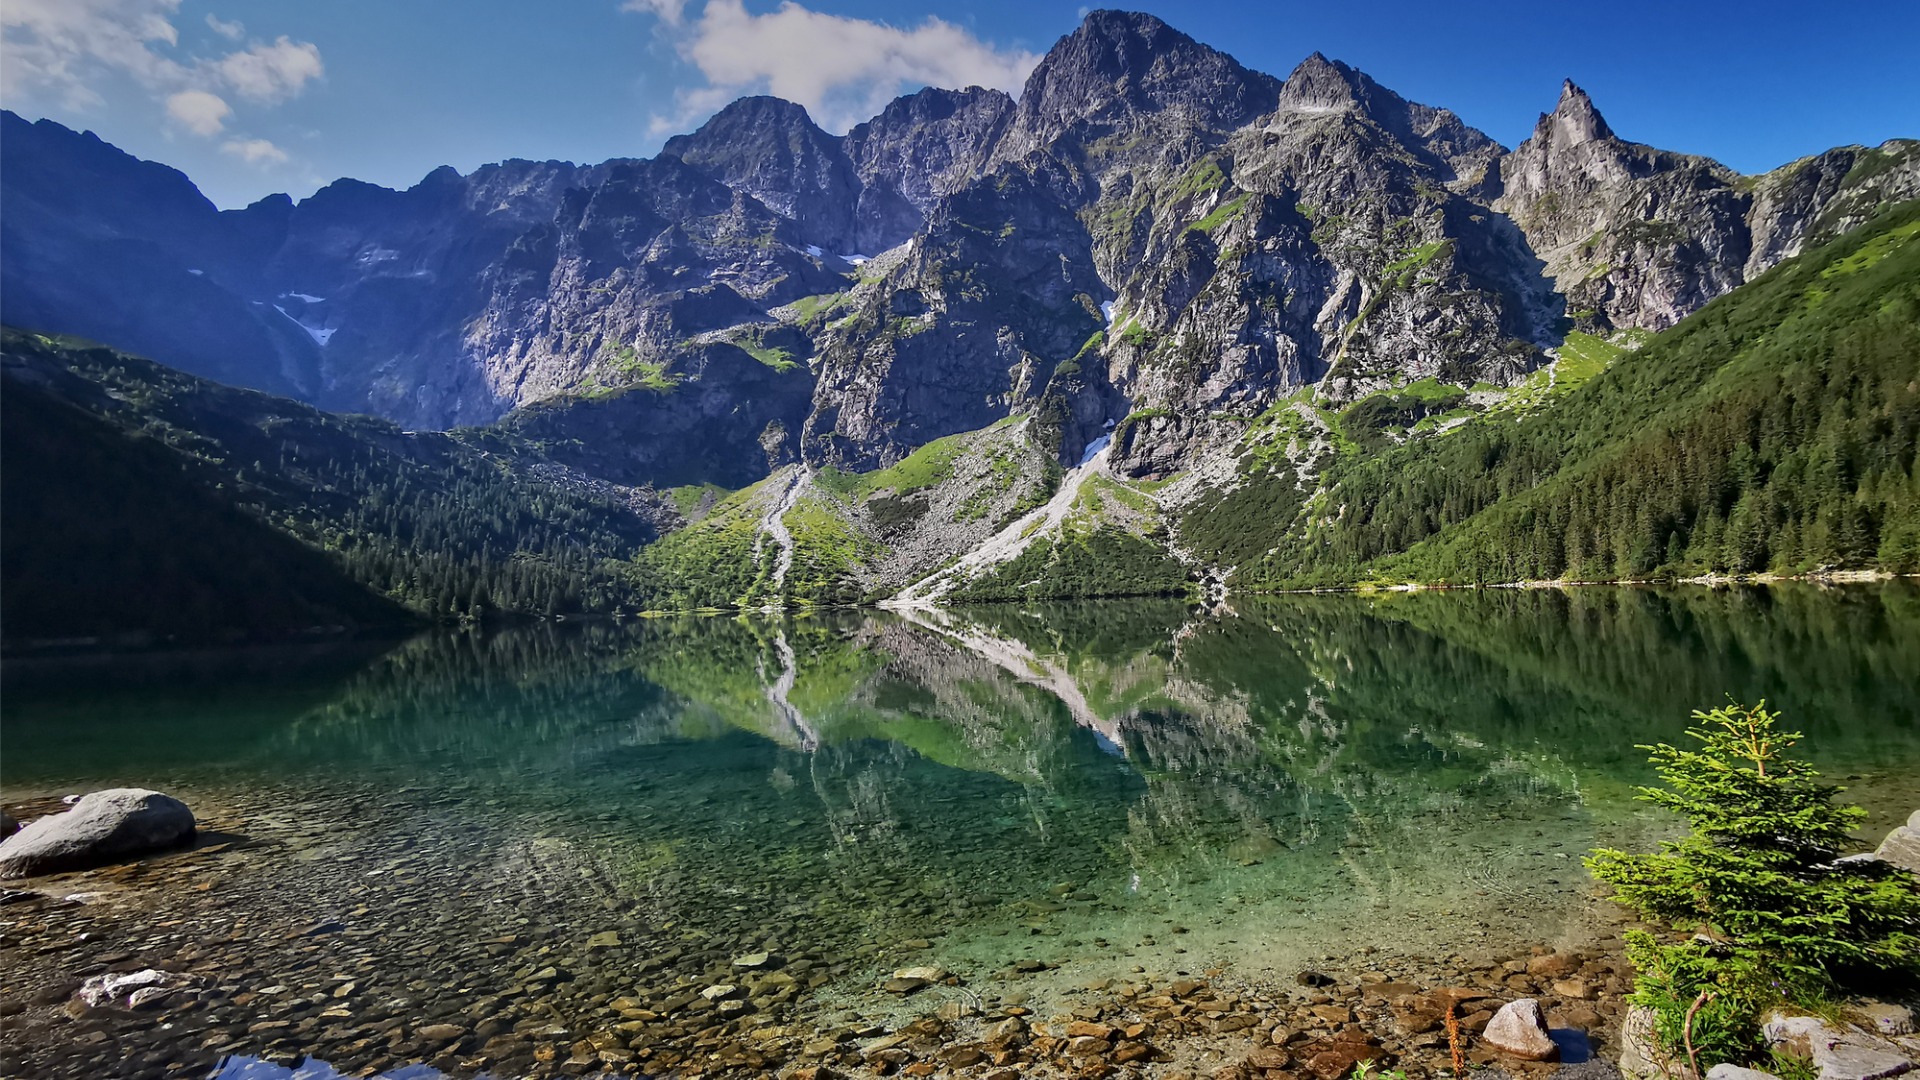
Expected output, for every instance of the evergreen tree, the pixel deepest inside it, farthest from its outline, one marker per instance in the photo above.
(1760, 882)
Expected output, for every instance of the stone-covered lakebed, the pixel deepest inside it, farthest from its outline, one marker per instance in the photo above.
(1105, 839)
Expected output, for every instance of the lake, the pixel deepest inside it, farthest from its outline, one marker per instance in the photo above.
(548, 844)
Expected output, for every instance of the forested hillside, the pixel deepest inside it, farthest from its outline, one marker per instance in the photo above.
(106, 536)
(1773, 431)
(141, 499)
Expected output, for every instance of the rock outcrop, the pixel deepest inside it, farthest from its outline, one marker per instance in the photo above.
(771, 149)
(102, 827)
(920, 149)
(1640, 237)
(1842, 1052)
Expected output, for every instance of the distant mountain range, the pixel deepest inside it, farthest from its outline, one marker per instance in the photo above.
(1155, 281)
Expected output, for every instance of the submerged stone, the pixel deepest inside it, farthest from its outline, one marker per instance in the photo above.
(926, 974)
(131, 990)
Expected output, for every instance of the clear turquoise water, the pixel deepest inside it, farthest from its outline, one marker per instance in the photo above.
(1107, 785)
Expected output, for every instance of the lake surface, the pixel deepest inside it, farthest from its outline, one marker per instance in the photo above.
(1034, 798)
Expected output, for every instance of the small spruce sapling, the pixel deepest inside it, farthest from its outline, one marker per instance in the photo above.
(1777, 914)
(1760, 871)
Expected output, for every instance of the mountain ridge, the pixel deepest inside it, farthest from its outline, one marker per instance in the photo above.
(1201, 282)
(406, 325)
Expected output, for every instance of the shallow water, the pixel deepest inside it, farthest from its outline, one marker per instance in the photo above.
(1103, 788)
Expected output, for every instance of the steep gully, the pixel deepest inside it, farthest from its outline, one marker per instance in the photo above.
(1010, 541)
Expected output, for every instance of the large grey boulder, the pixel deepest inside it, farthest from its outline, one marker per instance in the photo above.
(101, 828)
(1902, 845)
(1641, 1055)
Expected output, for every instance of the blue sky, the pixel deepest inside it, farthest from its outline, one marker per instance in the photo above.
(250, 97)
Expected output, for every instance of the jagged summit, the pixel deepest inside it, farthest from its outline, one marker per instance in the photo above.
(1573, 120)
(1115, 23)
(1112, 46)
(1322, 85)
(1117, 66)
(771, 149)
(921, 146)
(754, 111)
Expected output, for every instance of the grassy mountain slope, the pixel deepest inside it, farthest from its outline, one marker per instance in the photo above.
(444, 524)
(1774, 430)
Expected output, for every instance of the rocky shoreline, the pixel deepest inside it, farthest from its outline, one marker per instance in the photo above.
(281, 935)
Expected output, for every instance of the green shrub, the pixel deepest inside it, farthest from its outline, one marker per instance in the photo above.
(1723, 989)
(1759, 880)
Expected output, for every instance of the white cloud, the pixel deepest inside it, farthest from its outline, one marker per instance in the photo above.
(842, 69)
(269, 73)
(670, 11)
(68, 51)
(232, 31)
(198, 111)
(62, 46)
(254, 151)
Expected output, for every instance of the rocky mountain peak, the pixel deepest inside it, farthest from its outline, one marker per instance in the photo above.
(750, 127)
(1321, 85)
(928, 105)
(1124, 29)
(1112, 47)
(771, 149)
(921, 146)
(754, 111)
(1573, 120)
(1118, 67)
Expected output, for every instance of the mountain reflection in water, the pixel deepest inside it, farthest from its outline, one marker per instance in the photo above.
(1268, 782)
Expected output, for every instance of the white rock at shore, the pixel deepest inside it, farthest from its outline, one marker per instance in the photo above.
(102, 827)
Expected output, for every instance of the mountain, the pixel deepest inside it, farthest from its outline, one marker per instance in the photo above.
(1124, 333)
(1252, 235)
(109, 538)
(1776, 429)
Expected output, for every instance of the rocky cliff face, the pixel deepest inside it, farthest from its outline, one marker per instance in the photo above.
(920, 149)
(1153, 241)
(771, 150)
(969, 327)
